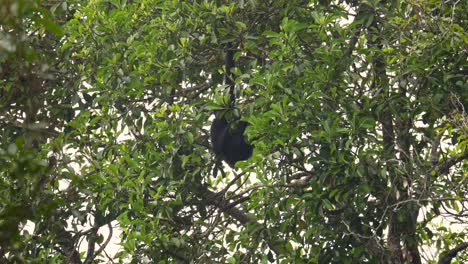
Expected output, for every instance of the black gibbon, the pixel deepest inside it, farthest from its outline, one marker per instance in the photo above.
(227, 139)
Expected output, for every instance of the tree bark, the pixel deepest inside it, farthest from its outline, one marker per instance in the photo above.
(447, 256)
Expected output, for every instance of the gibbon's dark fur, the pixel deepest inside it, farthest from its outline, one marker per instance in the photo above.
(227, 139)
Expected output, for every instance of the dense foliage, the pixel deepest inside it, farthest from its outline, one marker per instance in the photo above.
(357, 112)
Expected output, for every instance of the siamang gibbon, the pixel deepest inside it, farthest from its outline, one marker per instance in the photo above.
(227, 138)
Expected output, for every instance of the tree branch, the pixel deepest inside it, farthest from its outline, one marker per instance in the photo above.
(445, 167)
(67, 245)
(104, 245)
(214, 199)
(447, 256)
(91, 245)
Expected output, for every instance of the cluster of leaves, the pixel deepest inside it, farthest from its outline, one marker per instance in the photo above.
(356, 111)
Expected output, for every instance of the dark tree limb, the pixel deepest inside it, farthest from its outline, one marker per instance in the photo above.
(91, 245)
(217, 199)
(386, 119)
(235, 203)
(92, 254)
(444, 168)
(447, 256)
(104, 245)
(67, 246)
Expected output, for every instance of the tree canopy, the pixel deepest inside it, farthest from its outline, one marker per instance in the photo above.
(357, 112)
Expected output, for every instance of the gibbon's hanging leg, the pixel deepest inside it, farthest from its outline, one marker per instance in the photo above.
(228, 140)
